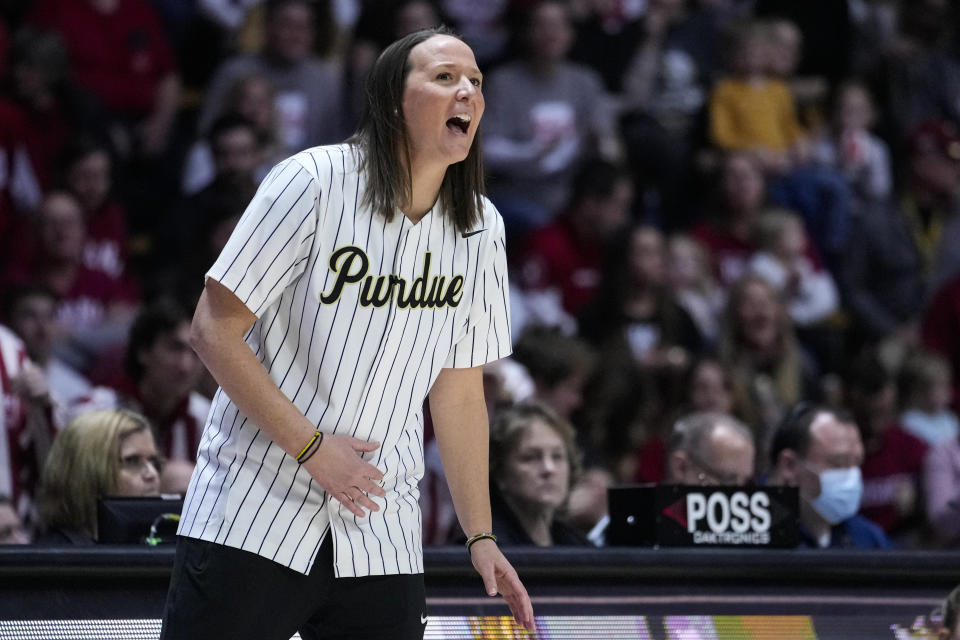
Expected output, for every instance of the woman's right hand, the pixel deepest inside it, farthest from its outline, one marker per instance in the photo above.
(340, 469)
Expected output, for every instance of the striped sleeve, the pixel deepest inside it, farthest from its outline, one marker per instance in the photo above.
(270, 246)
(488, 331)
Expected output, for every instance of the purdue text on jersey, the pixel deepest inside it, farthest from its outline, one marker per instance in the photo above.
(351, 265)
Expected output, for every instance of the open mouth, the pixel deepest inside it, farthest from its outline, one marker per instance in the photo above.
(459, 123)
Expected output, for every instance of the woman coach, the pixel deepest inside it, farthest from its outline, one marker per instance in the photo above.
(304, 500)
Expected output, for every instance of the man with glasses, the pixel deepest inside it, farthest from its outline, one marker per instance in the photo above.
(706, 449)
(819, 450)
(710, 449)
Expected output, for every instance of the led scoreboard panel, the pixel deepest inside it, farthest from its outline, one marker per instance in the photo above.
(617, 593)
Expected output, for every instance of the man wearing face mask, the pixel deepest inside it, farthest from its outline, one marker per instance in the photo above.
(819, 450)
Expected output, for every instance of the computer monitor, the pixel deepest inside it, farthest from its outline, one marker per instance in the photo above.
(139, 520)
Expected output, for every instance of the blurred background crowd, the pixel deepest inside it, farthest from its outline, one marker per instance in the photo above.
(718, 212)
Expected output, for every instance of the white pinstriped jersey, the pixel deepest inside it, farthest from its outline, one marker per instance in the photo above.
(356, 316)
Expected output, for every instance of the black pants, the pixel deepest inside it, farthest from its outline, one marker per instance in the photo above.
(221, 592)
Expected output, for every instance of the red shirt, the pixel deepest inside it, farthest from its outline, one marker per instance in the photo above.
(891, 479)
(18, 460)
(121, 57)
(85, 302)
(42, 134)
(728, 254)
(107, 240)
(651, 460)
(557, 257)
(940, 326)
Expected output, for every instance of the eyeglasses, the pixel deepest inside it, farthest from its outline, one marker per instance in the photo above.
(135, 462)
(709, 476)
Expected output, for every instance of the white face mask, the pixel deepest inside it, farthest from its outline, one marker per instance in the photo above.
(840, 493)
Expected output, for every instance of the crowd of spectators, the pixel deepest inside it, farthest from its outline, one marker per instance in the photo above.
(727, 208)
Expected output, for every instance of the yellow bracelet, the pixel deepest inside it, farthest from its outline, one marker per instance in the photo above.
(316, 435)
(478, 537)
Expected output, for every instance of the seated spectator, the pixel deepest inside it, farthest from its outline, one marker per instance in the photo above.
(709, 387)
(753, 111)
(705, 448)
(882, 280)
(750, 109)
(926, 387)
(690, 276)
(919, 70)
(120, 53)
(644, 338)
(563, 260)
(88, 173)
(31, 313)
(99, 454)
(161, 373)
(665, 85)
(308, 98)
(192, 222)
(941, 479)
(533, 465)
(39, 111)
(930, 199)
(893, 462)
(12, 530)
(850, 147)
(26, 421)
(545, 115)
(710, 449)
(782, 259)
(727, 233)
(95, 309)
(939, 330)
(819, 451)
(251, 98)
(606, 34)
(560, 367)
(706, 388)
(785, 47)
(769, 370)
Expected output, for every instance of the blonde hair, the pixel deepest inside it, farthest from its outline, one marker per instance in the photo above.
(82, 466)
(921, 371)
(770, 226)
(705, 281)
(786, 374)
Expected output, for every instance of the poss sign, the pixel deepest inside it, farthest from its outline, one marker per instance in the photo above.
(691, 516)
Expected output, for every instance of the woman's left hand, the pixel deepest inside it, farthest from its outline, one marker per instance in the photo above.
(499, 576)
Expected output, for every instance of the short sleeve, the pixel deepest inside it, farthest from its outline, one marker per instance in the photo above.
(488, 327)
(270, 246)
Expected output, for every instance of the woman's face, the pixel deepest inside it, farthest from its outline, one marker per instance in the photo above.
(255, 102)
(856, 110)
(537, 471)
(685, 266)
(90, 180)
(758, 316)
(138, 473)
(648, 257)
(709, 390)
(742, 184)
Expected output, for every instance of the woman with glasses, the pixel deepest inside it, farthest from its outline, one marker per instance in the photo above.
(100, 453)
